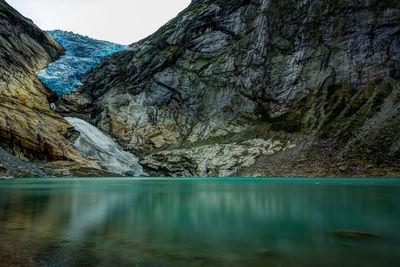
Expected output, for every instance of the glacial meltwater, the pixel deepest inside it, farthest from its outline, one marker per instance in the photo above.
(200, 222)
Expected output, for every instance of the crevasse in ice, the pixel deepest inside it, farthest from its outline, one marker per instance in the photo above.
(81, 55)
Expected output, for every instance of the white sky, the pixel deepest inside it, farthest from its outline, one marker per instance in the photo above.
(120, 21)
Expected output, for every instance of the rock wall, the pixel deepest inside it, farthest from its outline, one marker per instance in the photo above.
(29, 128)
(314, 75)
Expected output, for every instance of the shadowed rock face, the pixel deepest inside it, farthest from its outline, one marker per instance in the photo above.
(29, 128)
(319, 76)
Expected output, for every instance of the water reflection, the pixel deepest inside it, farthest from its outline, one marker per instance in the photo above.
(99, 222)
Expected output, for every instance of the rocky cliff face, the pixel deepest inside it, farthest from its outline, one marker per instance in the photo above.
(29, 128)
(256, 87)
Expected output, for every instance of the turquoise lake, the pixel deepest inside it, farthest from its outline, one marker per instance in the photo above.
(200, 222)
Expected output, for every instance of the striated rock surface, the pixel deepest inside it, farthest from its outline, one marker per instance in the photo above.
(320, 75)
(217, 160)
(29, 128)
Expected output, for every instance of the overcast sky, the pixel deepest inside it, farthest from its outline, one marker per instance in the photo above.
(120, 21)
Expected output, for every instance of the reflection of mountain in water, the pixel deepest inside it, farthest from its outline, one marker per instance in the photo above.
(209, 218)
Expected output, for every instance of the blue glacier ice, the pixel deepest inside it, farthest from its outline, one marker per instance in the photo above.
(82, 54)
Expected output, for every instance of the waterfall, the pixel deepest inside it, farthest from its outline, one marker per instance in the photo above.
(94, 143)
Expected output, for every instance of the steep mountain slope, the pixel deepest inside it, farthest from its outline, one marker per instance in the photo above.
(29, 128)
(256, 87)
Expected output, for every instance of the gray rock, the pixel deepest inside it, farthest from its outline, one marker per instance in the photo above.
(11, 166)
(229, 71)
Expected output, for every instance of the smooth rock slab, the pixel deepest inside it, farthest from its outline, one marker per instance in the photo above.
(94, 143)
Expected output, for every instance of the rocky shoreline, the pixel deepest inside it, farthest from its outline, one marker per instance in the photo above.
(13, 167)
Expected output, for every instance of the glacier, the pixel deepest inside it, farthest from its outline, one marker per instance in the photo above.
(82, 53)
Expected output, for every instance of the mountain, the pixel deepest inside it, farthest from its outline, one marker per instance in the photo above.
(227, 88)
(81, 55)
(256, 88)
(29, 128)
